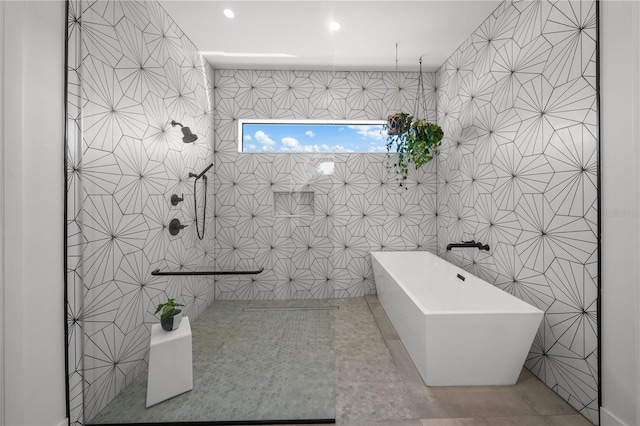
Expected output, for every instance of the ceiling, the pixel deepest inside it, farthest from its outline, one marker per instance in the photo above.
(366, 40)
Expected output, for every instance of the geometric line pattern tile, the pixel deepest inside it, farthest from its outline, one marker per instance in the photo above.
(131, 71)
(316, 255)
(530, 175)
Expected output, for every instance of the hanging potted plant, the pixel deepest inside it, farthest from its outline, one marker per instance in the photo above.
(398, 123)
(417, 146)
(427, 137)
(411, 141)
(170, 315)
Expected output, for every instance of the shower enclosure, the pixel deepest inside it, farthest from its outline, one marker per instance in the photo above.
(131, 73)
(140, 229)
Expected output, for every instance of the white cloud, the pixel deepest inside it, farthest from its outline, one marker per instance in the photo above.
(290, 142)
(370, 132)
(378, 148)
(309, 133)
(247, 137)
(340, 148)
(265, 140)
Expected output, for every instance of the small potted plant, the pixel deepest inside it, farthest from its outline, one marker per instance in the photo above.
(417, 144)
(170, 315)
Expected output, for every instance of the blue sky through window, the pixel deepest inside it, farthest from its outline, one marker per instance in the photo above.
(336, 137)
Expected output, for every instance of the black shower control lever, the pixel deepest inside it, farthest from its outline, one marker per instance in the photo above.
(175, 226)
(175, 199)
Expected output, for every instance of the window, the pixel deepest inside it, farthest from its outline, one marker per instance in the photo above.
(312, 136)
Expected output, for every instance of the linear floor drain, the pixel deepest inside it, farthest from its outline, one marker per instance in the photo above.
(294, 308)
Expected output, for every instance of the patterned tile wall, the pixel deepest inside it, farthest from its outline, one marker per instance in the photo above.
(357, 209)
(518, 170)
(131, 71)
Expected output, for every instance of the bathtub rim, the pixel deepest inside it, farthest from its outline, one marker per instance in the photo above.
(527, 308)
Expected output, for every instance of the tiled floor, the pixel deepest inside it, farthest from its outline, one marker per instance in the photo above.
(257, 360)
(376, 381)
(379, 385)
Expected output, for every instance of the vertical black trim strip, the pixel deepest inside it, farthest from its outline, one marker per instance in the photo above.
(599, 204)
(65, 213)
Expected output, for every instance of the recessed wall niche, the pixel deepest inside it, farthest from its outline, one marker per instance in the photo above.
(293, 204)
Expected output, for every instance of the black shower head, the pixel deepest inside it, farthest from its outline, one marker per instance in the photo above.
(188, 137)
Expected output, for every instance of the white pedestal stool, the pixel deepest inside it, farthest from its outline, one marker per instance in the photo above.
(170, 369)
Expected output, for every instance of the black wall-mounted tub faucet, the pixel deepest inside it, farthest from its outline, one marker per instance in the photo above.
(468, 244)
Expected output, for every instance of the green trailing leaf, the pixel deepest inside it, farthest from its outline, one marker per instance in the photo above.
(415, 141)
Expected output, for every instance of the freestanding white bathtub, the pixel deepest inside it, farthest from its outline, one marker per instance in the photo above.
(458, 329)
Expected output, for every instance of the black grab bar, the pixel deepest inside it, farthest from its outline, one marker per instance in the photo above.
(158, 272)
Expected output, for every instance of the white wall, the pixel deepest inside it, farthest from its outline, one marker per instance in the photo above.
(620, 145)
(2, 318)
(33, 107)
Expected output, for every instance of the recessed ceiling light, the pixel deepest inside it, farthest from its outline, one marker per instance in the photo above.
(334, 25)
(229, 13)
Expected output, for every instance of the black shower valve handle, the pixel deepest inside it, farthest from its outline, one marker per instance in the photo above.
(175, 199)
(175, 226)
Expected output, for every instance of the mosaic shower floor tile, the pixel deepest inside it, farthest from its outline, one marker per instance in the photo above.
(251, 361)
